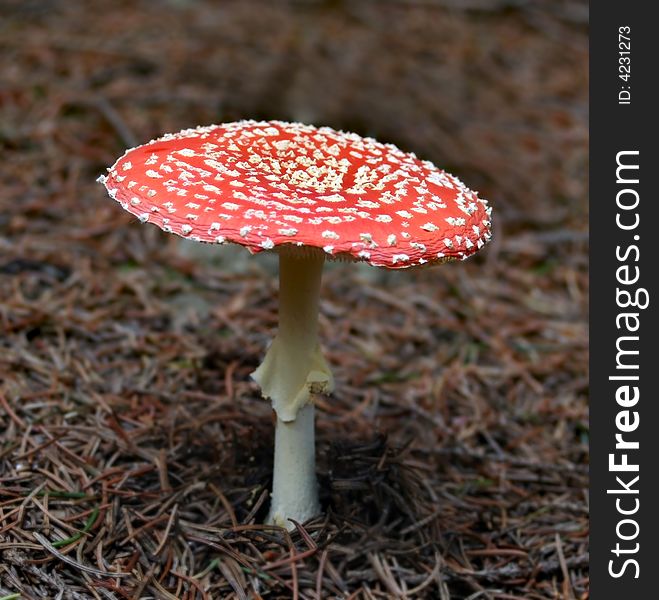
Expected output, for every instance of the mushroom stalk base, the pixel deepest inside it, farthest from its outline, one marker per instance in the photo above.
(294, 487)
(293, 370)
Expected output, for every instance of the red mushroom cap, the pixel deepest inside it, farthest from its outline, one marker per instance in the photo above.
(267, 184)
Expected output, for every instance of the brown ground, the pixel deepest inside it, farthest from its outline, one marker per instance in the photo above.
(453, 456)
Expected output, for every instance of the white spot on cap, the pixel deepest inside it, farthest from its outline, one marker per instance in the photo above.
(282, 144)
(391, 239)
(399, 258)
(153, 174)
(429, 227)
(245, 230)
(367, 204)
(332, 198)
(288, 231)
(186, 229)
(268, 244)
(330, 235)
(144, 217)
(127, 165)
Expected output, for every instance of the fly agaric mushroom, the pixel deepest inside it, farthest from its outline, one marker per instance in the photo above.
(308, 194)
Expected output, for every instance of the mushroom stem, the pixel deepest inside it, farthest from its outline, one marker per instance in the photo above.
(299, 296)
(294, 486)
(293, 370)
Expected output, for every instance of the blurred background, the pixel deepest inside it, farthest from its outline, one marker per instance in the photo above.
(453, 456)
(495, 90)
